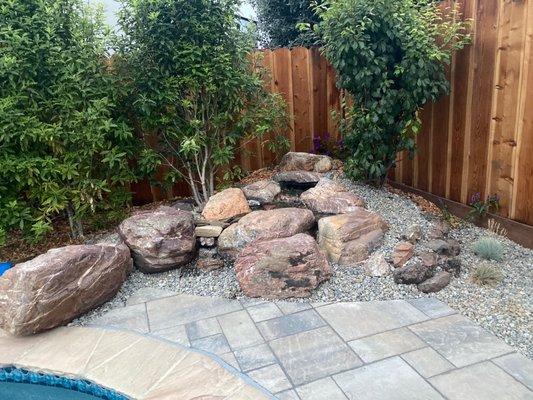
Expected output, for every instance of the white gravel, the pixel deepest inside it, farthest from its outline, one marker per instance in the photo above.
(504, 309)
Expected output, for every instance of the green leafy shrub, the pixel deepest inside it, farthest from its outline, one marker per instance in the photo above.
(280, 22)
(489, 249)
(391, 57)
(62, 145)
(192, 85)
(487, 274)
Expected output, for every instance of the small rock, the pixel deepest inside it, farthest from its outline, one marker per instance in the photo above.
(254, 203)
(436, 283)
(449, 248)
(413, 234)
(264, 191)
(209, 264)
(282, 268)
(412, 274)
(207, 241)
(439, 230)
(377, 266)
(208, 231)
(429, 259)
(402, 253)
(453, 265)
(226, 204)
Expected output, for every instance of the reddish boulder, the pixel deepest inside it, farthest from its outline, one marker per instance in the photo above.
(282, 268)
(330, 197)
(60, 285)
(160, 240)
(226, 204)
(294, 161)
(271, 224)
(350, 238)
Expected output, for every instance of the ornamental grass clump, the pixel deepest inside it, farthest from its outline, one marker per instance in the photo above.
(390, 57)
(489, 249)
(487, 274)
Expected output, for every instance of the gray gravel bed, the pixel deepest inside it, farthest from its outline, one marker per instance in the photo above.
(505, 310)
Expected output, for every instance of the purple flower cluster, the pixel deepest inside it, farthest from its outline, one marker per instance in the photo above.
(326, 145)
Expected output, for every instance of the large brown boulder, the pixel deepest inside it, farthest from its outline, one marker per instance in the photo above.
(350, 238)
(60, 285)
(161, 239)
(294, 161)
(282, 268)
(271, 224)
(226, 204)
(262, 191)
(330, 197)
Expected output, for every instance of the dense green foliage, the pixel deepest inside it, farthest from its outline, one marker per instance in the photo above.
(281, 22)
(61, 146)
(391, 57)
(191, 82)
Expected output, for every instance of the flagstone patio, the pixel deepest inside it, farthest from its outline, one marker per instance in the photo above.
(416, 349)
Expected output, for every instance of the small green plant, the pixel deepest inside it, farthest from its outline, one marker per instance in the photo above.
(487, 274)
(489, 249)
(480, 207)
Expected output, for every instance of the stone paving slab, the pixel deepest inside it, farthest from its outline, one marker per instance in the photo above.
(389, 350)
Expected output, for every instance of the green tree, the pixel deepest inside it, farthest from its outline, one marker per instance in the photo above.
(192, 84)
(391, 57)
(62, 147)
(281, 22)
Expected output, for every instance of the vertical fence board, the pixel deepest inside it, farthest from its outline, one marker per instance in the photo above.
(333, 103)
(283, 85)
(523, 191)
(301, 96)
(506, 104)
(423, 142)
(484, 64)
(319, 93)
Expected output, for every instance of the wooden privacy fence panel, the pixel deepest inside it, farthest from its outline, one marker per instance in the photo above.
(306, 81)
(477, 140)
(480, 138)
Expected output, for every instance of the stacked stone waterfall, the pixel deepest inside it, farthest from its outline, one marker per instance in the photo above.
(273, 249)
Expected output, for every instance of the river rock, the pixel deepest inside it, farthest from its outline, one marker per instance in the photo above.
(413, 234)
(436, 283)
(448, 248)
(262, 191)
(61, 285)
(271, 224)
(350, 238)
(294, 161)
(377, 266)
(413, 274)
(226, 204)
(160, 240)
(281, 268)
(330, 197)
(402, 253)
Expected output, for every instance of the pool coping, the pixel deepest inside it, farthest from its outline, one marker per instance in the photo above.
(137, 365)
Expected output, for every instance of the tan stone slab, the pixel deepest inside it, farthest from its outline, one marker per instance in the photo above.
(196, 376)
(66, 351)
(14, 347)
(137, 366)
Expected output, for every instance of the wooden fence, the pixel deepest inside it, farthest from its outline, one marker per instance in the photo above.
(478, 139)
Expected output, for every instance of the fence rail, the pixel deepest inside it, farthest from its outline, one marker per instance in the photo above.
(477, 140)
